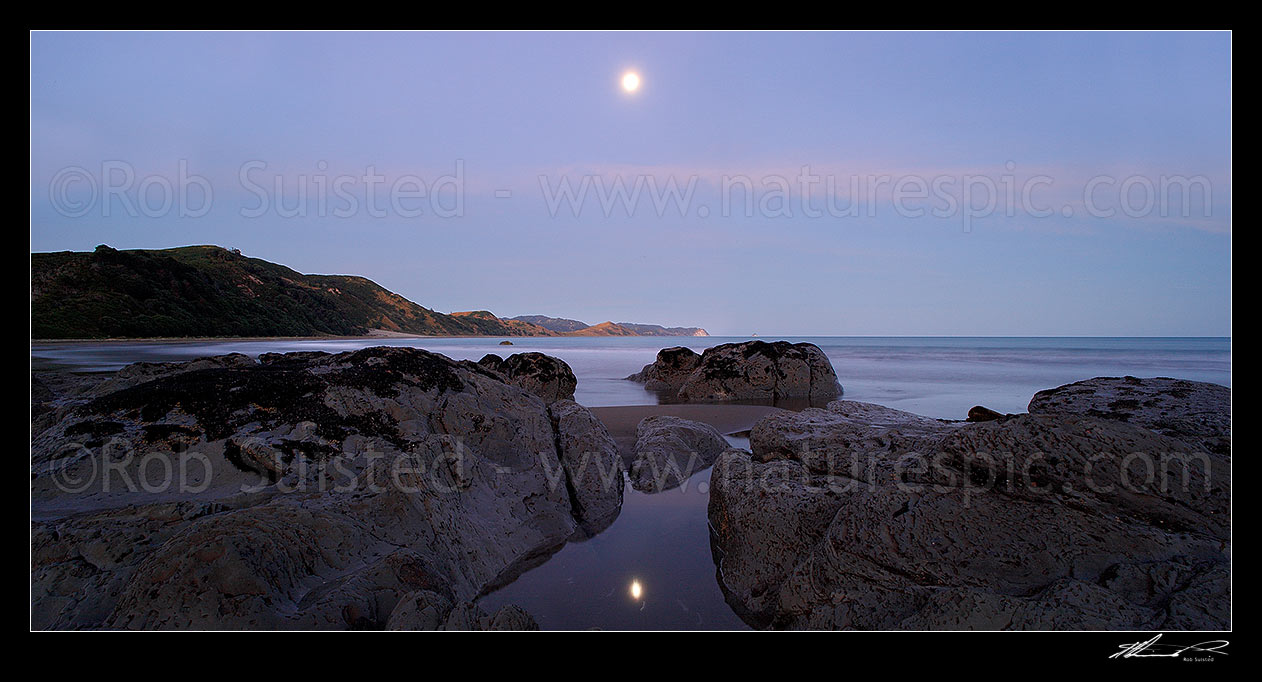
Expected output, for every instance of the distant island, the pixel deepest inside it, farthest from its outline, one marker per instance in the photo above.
(210, 291)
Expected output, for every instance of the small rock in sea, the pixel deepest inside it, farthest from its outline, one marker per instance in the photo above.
(977, 413)
(506, 343)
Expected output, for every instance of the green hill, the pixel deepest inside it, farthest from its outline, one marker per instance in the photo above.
(211, 291)
(556, 324)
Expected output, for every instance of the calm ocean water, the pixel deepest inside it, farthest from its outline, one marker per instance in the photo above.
(661, 542)
(935, 376)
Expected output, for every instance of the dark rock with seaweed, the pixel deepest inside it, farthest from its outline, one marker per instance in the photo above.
(544, 375)
(306, 490)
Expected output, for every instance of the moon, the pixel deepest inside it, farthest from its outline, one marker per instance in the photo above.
(630, 81)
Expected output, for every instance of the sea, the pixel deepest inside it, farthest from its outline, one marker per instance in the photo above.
(653, 568)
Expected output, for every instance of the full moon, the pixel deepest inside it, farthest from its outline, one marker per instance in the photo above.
(631, 81)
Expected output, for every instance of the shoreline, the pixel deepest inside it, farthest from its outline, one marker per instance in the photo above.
(385, 334)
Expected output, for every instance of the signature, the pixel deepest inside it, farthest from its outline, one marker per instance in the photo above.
(1151, 649)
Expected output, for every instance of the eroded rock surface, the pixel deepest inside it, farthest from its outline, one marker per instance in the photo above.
(1194, 411)
(593, 467)
(303, 491)
(669, 450)
(859, 516)
(752, 370)
(428, 610)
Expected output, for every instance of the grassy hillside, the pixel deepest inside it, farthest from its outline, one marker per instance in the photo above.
(210, 291)
(659, 330)
(567, 327)
(523, 328)
(603, 329)
(556, 324)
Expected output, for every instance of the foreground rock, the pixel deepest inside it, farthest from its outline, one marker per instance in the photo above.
(752, 370)
(593, 468)
(1193, 411)
(545, 376)
(859, 516)
(428, 610)
(305, 491)
(669, 450)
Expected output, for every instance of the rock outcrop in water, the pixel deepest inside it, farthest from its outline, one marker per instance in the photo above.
(307, 490)
(547, 377)
(752, 370)
(981, 413)
(859, 516)
(669, 371)
(668, 450)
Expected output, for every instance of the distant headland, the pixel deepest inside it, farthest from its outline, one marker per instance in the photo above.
(210, 291)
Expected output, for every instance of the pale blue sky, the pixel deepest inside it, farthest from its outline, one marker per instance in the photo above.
(507, 108)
